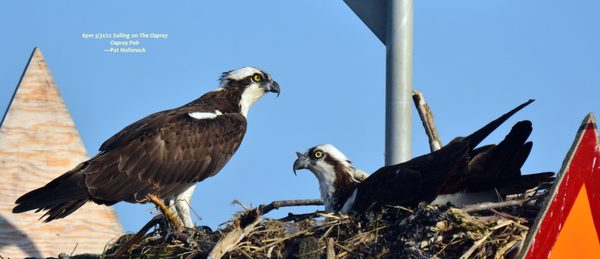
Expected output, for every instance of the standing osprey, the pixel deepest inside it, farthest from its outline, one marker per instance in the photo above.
(455, 168)
(164, 154)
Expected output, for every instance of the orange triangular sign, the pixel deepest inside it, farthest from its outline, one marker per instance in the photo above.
(578, 238)
(568, 225)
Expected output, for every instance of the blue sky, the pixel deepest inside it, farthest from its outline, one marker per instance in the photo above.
(474, 60)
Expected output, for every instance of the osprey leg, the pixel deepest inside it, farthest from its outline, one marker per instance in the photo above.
(182, 205)
(160, 205)
(170, 203)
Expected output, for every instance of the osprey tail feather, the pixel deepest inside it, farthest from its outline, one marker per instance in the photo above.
(476, 137)
(60, 197)
(521, 183)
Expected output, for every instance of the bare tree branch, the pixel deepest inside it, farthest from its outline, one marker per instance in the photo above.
(264, 209)
(427, 119)
(492, 205)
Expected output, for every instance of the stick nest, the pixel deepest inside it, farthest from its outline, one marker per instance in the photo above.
(428, 231)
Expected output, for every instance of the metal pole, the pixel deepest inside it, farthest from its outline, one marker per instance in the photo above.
(399, 67)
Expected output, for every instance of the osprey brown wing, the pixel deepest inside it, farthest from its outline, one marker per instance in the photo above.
(160, 160)
(498, 167)
(410, 182)
(134, 130)
(424, 177)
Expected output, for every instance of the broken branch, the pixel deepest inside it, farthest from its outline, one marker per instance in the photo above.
(492, 205)
(427, 119)
(264, 209)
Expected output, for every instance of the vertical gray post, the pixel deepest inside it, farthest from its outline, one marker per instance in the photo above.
(399, 67)
(392, 22)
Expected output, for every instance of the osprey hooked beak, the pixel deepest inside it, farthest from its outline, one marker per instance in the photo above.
(272, 87)
(301, 163)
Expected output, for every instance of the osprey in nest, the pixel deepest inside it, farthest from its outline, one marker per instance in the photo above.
(458, 173)
(164, 154)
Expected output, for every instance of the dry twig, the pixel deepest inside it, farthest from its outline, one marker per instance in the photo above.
(426, 116)
(264, 209)
(244, 225)
(137, 237)
(330, 250)
(492, 205)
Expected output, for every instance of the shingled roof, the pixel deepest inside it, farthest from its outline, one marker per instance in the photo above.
(39, 142)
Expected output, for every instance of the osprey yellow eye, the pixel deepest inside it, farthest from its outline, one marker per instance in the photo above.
(257, 78)
(318, 154)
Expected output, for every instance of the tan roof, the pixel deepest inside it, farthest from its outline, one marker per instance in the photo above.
(39, 142)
